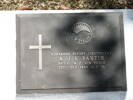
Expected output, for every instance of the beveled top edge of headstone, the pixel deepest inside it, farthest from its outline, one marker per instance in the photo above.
(68, 12)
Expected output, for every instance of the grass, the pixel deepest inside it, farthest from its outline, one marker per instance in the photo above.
(64, 4)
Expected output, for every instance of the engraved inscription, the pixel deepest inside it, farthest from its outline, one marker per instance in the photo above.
(80, 60)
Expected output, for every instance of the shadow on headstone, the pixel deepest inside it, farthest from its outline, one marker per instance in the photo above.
(108, 43)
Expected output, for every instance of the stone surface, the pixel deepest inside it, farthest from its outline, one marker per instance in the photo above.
(87, 53)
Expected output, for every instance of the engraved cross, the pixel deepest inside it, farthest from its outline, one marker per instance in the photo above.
(40, 47)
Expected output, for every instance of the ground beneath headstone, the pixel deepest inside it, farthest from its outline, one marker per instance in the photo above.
(64, 4)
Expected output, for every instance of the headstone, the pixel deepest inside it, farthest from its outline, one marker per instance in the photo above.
(70, 52)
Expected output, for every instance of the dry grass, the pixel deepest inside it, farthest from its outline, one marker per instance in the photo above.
(63, 4)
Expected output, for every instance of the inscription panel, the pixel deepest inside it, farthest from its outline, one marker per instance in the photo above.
(82, 51)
